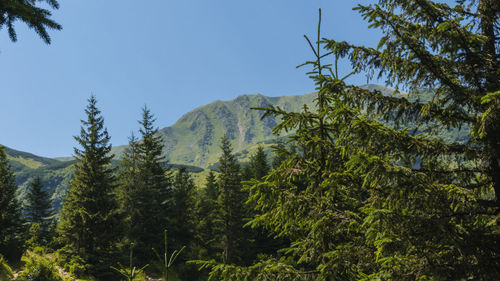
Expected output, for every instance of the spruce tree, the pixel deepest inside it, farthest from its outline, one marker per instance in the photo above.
(128, 174)
(208, 217)
(183, 223)
(211, 187)
(376, 193)
(29, 12)
(38, 210)
(231, 202)
(144, 191)
(129, 187)
(12, 230)
(89, 224)
(258, 164)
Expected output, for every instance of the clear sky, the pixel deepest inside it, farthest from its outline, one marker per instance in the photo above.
(172, 55)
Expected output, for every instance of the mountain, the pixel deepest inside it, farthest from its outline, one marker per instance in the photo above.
(195, 138)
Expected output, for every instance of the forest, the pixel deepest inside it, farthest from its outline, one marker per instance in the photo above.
(365, 185)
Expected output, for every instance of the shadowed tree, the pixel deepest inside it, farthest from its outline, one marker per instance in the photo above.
(231, 202)
(12, 230)
(144, 190)
(38, 210)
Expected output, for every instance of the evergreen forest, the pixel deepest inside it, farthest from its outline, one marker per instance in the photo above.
(393, 182)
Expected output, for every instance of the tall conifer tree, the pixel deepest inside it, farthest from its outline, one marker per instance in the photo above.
(145, 190)
(182, 223)
(367, 200)
(129, 187)
(231, 202)
(89, 224)
(208, 216)
(259, 164)
(12, 230)
(38, 209)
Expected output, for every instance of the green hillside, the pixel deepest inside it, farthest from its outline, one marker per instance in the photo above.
(53, 173)
(194, 138)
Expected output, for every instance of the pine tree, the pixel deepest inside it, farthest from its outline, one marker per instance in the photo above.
(231, 201)
(128, 191)
(211, 187)
(258, 164)
(89, 225)
(144, 190)
(38, 210)
(372, 200)
(128, 177)
(34, 16)
(12, 230)
(151, 154)
(208, 217)
(183, 223)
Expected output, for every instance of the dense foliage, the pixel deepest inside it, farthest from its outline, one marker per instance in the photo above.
(39, 268)
(363, 200)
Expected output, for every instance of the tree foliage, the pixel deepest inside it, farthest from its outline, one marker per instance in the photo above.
(259, 166)
(38, 210)
(29, 12)
(364, 200)
(208, 216)
(89, 223)
(231, 202)
(144, 189)
(12, 230)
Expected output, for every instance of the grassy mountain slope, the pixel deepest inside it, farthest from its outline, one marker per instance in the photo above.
(195, 138)
(54, 174)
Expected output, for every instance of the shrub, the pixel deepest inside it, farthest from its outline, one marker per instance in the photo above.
(39, 250)
(5, 270)
(71, 263)
(38, 268)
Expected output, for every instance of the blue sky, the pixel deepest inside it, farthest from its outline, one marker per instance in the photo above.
(172, 56)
